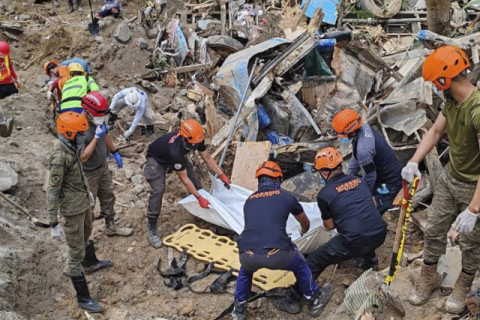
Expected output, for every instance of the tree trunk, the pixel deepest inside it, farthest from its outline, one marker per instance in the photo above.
(438, 16)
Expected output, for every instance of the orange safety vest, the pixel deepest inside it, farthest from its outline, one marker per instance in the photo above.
(5, 68)
(63, 75)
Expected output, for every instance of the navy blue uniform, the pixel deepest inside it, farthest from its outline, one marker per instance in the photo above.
(347, 200)
(264, 242)
(375, 159)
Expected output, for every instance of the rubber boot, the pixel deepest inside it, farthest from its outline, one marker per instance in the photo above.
(317, 303)
(153, 236)
(456, 301)
(429, 281)
(112, 230)
(290, 304)
(79, 6)
(111, 121)
(91, 263)
(70, 6)
(239, 310)
(150, 131)
(83, 295)
(365, 263)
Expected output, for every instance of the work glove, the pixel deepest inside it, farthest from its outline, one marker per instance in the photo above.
(49, 95)
(118, 158)
(204, 203)
(121, 138)
(18, 83)
(100, 131)
(226, 181)
(466, 221)
(410, 171)
(103, 8)
(56, 230)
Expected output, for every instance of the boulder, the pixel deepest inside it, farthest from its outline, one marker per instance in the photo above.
(8, 177)
(122, 34)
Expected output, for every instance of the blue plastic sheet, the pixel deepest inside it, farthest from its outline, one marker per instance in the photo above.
(329, 9)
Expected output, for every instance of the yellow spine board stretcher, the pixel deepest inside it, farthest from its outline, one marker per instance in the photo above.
(206, 246)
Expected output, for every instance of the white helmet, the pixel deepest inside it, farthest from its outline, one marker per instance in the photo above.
(133, 99)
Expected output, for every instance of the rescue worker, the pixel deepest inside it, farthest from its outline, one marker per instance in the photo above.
(94, 158)
(260, 247)
(61, 72)
(76, 88)
(8, 77)
(70, 6)
(137, 100)
(83, 63)
(372, 156)
(167, 153)
(346, 204)
(68, 193)
(111, 7)
(457, 190)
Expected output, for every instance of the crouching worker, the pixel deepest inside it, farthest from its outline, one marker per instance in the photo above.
(111, 8)
(68, 193)
(346, 204)
(264, 242)
(168, 153)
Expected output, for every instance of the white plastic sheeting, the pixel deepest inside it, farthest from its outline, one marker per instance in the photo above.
(227, 211)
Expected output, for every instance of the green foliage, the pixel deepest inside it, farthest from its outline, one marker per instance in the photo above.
(471, 3)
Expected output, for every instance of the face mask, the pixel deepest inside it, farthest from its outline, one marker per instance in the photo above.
(344, 140)
(80, 139)
(98, 120)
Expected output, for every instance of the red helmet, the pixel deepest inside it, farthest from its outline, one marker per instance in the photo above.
(4, 48)
(95, 103)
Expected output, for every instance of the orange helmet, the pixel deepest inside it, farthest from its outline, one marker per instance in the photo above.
(327, 158)
(192, 131)
(70, 123)
(444, 64)
(48, 66)
(269, 168)
(345, 122)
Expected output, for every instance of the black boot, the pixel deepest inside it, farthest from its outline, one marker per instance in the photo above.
(111, 121)
(83, 295)
(150, 131)
(239, 310)
(153, 236)
(365, 263)
(91, 263)
(70, 6)
(79, 6)
(317, 303)
(290, 304)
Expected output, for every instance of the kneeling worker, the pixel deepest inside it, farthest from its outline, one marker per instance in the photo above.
(69, 193)
(270, 247)
(346, 204)
(168, 153)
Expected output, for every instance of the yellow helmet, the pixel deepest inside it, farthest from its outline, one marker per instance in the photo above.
(75, 67)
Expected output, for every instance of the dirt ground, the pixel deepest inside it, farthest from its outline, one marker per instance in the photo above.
(31, 282)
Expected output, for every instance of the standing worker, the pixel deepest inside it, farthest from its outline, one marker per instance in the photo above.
(76, 88)
(94, 158)
(70, 6)
(457, 189)
(167, 153)
(271, 247)
(8, 77)
(68, 193)
(371, 155)
(138, 101)
(346, 204)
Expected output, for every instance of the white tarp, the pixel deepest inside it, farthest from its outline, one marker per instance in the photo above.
(227, 211)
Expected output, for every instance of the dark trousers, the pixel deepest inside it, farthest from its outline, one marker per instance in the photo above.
(338, 250)
(7, 90)
(155, 174)
(291, 260)
(384, 201)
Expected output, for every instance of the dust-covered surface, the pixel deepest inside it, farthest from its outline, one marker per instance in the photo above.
(31, 282)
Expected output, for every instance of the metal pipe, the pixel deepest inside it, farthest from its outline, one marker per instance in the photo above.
(372, 21)
(230, 135)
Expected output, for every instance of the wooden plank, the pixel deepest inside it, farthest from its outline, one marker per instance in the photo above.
(184, 69)
(223, 14)
(316, 21)
(248, 157)
(195, 6)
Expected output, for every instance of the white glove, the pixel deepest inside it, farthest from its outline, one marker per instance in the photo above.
(466, 221)
(91, 199)
(103, 8)
(49, 94)
(57, 232)
(121, 138)
(410, 171)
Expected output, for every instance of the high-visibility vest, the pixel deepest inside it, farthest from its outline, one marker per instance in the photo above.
(5, 68)
(73, 92)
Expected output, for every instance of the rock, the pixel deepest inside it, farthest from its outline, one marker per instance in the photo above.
(23, 17)
(200, 267)
(99, 39)
(451, 263)
(142, 43)
(129, 173)
(140, 204)
(8, 177)
(138, 189)
(179, 103)
(149, 86)
(103, 83)
(279, 115)
(137, 179)
(40, 83)
(304, 186)
(188, 114)
(122, 34)
(161, 101)
(188, 308)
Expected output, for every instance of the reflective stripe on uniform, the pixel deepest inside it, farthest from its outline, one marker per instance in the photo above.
(5, 73)
(72, 87)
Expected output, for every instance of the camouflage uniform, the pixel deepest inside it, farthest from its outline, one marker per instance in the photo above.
(452, 196)
(68, 193)
(101, 186)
